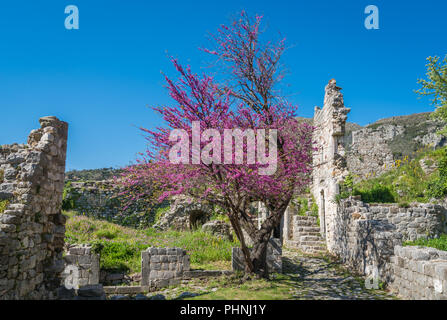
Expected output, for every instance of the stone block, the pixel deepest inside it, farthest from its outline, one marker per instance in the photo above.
(441, 270)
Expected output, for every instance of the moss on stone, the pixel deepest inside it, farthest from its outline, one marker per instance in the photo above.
(3, 205)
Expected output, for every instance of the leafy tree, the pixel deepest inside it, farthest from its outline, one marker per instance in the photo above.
(248, 99)
(436, 86)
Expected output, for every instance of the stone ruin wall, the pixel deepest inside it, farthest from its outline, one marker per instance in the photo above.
(366, 236)
(103, 200)
(32, 227)
(419, 273)
(274, 257)
(367, 233)
(163, 266)
(329, 164)
(81, 265)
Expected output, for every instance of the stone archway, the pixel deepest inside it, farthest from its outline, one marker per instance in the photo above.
(184, 214)
(197, 218)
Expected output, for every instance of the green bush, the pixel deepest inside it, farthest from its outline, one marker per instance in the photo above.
(437, 188)
(377, 193)
(438, 243)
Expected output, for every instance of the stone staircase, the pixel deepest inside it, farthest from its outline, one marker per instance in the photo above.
(306, 235)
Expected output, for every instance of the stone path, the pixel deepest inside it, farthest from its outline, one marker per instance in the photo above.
(309, 278)
(319, 279)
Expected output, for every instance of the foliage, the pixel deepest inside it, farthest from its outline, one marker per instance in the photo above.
(3, 205)
(436, 86)
(159, 212)
(69, 197)
(120, 247)
(438, 243)
(92, 174)
(376, 193)
(248, 100)
(2, 175)
(407, 182)
(437, 187)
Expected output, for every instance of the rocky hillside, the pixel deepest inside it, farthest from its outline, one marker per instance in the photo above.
(373, 149)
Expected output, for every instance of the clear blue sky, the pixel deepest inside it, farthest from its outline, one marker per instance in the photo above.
(102, 78)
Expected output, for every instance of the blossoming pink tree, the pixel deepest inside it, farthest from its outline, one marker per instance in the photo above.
(247, 100)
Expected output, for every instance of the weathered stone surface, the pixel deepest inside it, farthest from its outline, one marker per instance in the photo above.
(329, 159)
(218, 228)
(161, 265)
(84, 262)
(31, 227)
(419, 273)
(184, 214)
(274, 257)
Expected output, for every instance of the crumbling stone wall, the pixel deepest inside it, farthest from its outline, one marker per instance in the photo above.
(81, 266)
(162, 266)
(32, 227)
(103, 200)
(420, 273)
(329, 164)
(184, 214)
(367, 233)
(274, 257)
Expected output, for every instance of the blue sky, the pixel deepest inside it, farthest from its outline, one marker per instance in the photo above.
(103, 77)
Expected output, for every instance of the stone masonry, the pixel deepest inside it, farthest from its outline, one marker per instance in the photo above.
(84, 262)
(420, 273)
(32, 226)
(274, 257)
(329, 163)
(162, 266)
(367, 233)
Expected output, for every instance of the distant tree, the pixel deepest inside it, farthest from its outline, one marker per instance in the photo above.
(247, 100)
(436, 86)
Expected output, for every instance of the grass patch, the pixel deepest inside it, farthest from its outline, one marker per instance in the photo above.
(437, 243)
(121, 247)
(279, 287)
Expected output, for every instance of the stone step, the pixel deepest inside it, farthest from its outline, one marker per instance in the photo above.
(305, 223)
(301, 234)
(311, 243)
(305, 218)
(310, 238)
(307, 229)
(312, 249)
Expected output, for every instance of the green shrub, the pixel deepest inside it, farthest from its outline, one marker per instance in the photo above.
(377, 193)
(438, 243)
(437, 188)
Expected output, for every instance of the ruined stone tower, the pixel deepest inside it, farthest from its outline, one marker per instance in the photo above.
(32, 226)
(329, 164)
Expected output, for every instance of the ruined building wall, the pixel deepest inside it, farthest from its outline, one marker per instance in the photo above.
(31, 224)
(329, 164)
